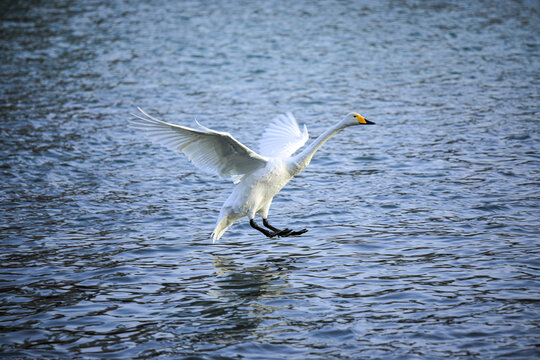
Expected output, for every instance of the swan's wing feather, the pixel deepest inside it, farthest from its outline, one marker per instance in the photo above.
(283, 137)
(211, 151)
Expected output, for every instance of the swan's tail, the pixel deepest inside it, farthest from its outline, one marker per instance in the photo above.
(222, 226)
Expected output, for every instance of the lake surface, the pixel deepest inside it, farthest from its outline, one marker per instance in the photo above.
(423, 237)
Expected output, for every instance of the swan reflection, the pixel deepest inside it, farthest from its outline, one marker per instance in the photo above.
(246, 297)
(251, 282)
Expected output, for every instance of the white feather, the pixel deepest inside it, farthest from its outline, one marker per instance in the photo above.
(212, 151)
(283, 137)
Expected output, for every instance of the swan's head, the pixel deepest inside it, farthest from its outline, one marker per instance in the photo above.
(357, 119)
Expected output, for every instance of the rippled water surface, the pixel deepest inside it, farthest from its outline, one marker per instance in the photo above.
(424, 229)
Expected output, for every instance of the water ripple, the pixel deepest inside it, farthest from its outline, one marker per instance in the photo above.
(423, 238)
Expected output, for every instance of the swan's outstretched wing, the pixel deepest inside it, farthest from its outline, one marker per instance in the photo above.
(283, 137)
(211, 151)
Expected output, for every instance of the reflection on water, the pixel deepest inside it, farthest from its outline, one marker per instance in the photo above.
(252, 282)
(249, 293)
(423, 238)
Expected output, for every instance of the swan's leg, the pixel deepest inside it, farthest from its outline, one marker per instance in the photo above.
(284, 232)
(264, 231)
(269, 233)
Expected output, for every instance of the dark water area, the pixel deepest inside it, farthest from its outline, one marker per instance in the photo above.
(424, 229)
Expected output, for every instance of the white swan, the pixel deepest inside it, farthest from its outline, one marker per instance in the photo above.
(259, 177)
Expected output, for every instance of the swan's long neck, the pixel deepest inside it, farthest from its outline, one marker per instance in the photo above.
(304, 158)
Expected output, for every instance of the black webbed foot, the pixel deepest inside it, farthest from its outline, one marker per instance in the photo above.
(275, 231)
(285, 232)
(270, 234)
(299, 232)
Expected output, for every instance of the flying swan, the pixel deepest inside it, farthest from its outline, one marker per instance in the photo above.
(259, 176)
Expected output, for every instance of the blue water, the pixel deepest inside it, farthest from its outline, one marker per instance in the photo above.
(423, 237)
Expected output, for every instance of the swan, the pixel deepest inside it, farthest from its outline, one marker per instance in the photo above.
(259, 176)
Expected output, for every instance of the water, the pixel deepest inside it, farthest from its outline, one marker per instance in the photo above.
(423, 240)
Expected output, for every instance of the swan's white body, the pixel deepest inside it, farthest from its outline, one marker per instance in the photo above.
(254, 194)
(259, 177)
